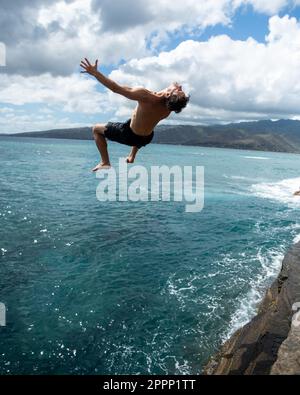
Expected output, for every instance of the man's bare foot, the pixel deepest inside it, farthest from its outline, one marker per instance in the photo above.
(130, 159)
(101, 166)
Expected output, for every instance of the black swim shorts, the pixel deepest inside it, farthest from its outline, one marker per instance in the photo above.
(123, 134)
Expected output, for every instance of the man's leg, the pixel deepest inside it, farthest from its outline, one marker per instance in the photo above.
(100, 140)
(131, 156)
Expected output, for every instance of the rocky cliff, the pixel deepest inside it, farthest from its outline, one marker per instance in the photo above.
(270, 342)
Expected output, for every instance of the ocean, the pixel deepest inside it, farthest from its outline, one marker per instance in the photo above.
(134, 287)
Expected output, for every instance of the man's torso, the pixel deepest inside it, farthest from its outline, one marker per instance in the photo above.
(146, 116)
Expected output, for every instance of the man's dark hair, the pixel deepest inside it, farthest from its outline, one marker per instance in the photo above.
(177, 103)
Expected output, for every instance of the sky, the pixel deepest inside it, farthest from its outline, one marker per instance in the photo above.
(238, 59)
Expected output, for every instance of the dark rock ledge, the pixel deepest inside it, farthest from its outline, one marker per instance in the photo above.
(269, 343)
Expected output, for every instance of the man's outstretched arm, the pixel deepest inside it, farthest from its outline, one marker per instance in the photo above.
(93, 70)
(138, 94)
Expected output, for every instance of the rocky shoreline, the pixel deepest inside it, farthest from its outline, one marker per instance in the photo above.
(270, 342)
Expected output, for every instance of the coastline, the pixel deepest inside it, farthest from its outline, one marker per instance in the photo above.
(264, 136)
(74, 139)
(266, 345)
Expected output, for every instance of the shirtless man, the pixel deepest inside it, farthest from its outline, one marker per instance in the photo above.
(137, 132)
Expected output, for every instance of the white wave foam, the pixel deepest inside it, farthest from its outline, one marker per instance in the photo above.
(243, 178)
(256, 157)
(290, 229)
(281, 191)
(182, 294)
(183, 369)
(238, 178)
(293, 228)
(234, 177)
(296, 239)
(271, 264)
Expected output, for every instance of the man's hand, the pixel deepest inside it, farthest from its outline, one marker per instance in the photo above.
(89, 68)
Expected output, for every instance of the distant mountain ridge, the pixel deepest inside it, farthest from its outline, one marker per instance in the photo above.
(277, 136)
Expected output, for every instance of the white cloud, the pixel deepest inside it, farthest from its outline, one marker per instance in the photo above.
(62, 34)
(16, 122)
(58, 33)
(235, 79)
(6, 110)
(2, 54)
(228, 80)
(73, 93)
(112, 44)
(265, 6)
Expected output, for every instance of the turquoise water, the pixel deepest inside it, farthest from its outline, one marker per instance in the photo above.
(134, 288)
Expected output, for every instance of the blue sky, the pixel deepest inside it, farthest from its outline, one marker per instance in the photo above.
(239, 59)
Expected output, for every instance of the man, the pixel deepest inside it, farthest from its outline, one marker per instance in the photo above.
(137, 132)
